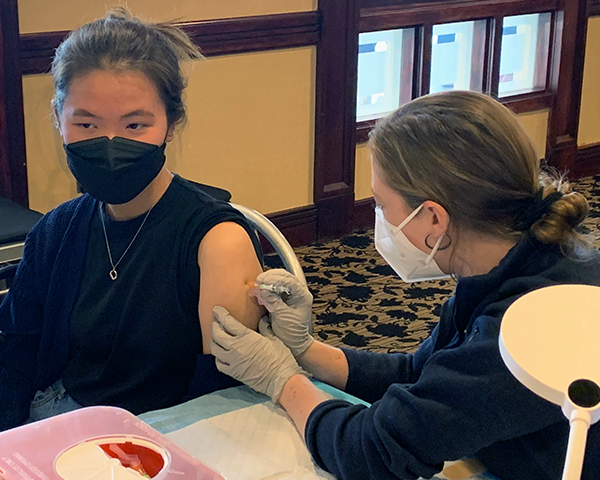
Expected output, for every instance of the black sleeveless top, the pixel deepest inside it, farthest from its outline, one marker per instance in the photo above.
(135, 342)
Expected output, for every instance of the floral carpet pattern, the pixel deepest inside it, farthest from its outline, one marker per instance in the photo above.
(360, 302)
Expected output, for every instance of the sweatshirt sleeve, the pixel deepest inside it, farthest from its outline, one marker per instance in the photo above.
(384, 369)
(20, 328)
(464, 400)
(24, 313)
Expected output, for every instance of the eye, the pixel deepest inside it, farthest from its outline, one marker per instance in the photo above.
(136, 126)
(85, 126)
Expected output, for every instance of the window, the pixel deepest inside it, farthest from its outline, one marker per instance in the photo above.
(380, 60)
(452, 57)
(524, 39)
(406, 51)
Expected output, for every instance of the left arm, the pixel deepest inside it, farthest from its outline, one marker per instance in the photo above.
(228, 267)
(299, 398)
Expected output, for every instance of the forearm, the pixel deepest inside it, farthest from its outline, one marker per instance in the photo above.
(299, 398)
(325, 363)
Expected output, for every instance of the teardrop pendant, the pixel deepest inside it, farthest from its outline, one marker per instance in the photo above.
(113, 273)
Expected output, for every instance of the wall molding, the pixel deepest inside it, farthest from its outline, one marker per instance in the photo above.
(364, 214)
(214, 37)
(588, 161)
(383, 15)
(299, 225)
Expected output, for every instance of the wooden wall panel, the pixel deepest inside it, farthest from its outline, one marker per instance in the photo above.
(335, 121)
(13, 173)
(593, 8)
(566, 79)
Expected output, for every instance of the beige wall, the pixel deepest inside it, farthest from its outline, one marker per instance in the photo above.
(47, 15)
(250, 130)
(48, 177)
(362, 172)
(589, 123)
(535, 124)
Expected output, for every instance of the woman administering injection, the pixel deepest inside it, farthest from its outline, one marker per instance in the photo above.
(112, 302)
(459, 192)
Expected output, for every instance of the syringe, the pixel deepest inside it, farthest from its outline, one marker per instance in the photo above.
(279, 289)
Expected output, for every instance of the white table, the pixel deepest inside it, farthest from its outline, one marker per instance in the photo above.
(243, 435)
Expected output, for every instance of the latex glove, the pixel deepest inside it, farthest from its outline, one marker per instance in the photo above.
(290, 318)
(261, 361)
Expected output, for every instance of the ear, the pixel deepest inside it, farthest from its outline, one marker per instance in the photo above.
(56, 120)
(170, 134)
(440, 220)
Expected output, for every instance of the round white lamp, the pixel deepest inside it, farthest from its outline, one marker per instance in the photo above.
(549, 340)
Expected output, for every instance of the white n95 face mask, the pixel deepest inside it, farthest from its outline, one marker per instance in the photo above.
(410, 263)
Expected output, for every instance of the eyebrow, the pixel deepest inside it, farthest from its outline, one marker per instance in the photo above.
(81, 112)
(138, 113)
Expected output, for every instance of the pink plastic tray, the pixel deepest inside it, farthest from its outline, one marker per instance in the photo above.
(95, 443)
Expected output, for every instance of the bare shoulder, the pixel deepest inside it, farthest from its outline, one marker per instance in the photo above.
(226, 237)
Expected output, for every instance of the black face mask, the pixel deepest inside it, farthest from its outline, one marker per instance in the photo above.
(114, 170)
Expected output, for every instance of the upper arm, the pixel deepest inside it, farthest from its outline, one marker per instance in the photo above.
(228, 267)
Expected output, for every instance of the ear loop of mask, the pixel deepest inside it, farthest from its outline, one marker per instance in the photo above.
(407, 219)
(435, 248)
(412, 215)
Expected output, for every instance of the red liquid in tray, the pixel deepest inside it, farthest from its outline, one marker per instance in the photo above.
(142, 459)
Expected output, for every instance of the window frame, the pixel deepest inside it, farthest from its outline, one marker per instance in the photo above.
(488, 15)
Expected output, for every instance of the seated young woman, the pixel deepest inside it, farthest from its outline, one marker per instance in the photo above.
(112, 302)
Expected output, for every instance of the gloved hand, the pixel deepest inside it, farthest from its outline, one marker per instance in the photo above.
(261, 361)
(290, 318)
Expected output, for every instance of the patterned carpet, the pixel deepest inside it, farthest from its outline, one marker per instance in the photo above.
(360, 302)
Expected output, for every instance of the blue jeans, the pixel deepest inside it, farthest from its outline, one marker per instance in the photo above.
(52, 401)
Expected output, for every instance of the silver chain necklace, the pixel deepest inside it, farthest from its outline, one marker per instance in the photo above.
(113, 273)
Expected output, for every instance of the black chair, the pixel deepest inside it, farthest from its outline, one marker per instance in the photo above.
(7, 272)
(15, 223)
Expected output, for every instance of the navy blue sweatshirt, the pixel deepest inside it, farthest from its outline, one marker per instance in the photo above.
(454, 397)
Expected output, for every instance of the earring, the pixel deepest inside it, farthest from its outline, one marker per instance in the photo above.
(441, 247)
